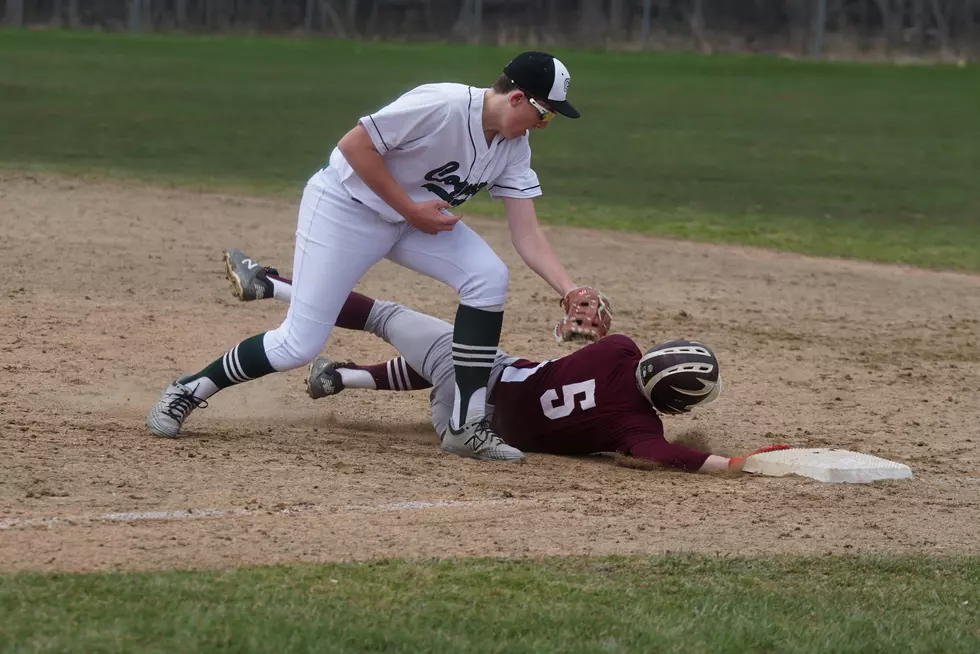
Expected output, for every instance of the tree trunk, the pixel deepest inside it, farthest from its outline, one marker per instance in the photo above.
(969, 25)
(180, 14)
(277, 21)
(74, 20)
(256, 15)
(227, 14)
(331, 17)
(134, 15)
(617, 19)
(308, 16)
(591, 22)
(14, 14)
(696, 21)
(468, 24)
(216, 14)
(352, 14)
(552, 27)
(350, 17)
(797, 23)
(887, 23)
(359, 14)
(57, 14)
(942, 27)
(645, 22)
(918, 25)
(462, 29)
(819, 28)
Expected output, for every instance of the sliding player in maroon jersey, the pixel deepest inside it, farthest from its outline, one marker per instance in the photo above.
(604, 397)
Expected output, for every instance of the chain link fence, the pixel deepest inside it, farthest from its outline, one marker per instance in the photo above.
(946, 30)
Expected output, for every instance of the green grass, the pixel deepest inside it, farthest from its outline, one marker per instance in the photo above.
(673, 603)
(848, 160)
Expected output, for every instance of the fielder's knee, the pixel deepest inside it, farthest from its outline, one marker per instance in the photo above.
(486, 285)
(286, 350)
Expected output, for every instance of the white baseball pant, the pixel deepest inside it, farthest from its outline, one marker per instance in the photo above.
(338, 240)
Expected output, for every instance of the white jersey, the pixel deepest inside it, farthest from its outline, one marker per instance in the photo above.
(433, 144)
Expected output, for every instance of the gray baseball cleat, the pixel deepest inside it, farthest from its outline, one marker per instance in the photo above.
(477, 440)
(168, 415)
(249, 280)
(324, 380)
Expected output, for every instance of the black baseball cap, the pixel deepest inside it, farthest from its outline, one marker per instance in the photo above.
(544, 78)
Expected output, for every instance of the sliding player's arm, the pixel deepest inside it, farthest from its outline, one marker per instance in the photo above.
(672, 455)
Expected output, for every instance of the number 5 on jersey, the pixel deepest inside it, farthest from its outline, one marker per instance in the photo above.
(584, 392)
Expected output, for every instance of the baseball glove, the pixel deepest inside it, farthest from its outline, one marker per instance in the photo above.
(588, 315)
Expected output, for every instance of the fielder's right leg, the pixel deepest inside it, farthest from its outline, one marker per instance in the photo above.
(426, 345)
(463, 260)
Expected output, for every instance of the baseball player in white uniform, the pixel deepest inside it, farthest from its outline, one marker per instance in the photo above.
(387, 192)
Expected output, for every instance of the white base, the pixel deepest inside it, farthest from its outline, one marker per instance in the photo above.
(824, 464)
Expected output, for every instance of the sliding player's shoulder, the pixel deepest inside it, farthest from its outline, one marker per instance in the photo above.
(619, 342)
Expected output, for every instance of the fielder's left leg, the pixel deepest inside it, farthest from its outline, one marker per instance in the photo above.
(425, 345)
(337, 241)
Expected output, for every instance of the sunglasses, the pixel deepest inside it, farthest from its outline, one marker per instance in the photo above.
(544, 115)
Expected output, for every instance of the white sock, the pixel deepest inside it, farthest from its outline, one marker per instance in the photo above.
(281, 290)
(354, 378)
(203, 387)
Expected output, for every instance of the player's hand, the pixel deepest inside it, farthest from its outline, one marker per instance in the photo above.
(432, 217)
(736, 462)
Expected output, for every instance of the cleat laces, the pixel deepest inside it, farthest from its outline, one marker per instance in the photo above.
(481, 435)
(180, 405)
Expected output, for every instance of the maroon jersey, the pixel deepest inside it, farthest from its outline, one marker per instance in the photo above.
(579, 404)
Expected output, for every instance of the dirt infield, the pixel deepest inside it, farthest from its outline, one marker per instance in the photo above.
(112, 290)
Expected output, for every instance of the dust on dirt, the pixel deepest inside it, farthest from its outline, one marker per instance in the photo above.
(111, 290)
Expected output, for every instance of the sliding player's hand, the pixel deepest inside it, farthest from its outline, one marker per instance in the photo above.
(736, 462)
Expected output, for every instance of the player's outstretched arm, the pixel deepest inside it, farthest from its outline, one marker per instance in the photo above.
(588, 314)
(672, 455)
(533, 246)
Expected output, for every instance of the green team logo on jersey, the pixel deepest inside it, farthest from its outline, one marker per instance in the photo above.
(443, 177)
